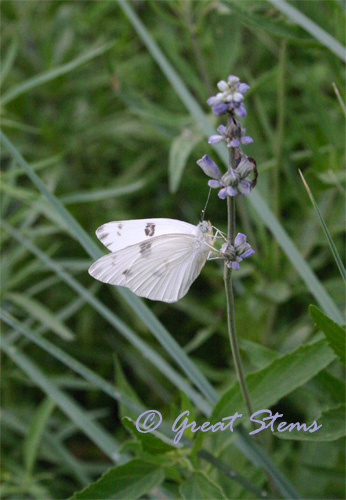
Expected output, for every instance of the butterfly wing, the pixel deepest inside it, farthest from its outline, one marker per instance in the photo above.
(162, 268)
(120, 234)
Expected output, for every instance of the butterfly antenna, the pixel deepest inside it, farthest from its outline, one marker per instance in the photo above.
(205, 208)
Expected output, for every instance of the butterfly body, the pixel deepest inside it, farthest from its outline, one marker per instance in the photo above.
(155, 258)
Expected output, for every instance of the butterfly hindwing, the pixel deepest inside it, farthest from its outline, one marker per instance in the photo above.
(159, 268)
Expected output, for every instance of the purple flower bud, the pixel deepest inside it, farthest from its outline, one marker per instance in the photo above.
(235, 265)
(212, 101)
(240, 239)
(244, 187)
(222, 85)
(214, 184)
(214, 139)
(247, 254)
(220, 109)
(222, 129)
(243, 87)
(209, 167)
(231, 191)
(239, 109)
(246, 139)
(222, 193)
(235, 143)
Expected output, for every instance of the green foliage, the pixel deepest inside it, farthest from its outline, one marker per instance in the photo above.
(199, 485)
(335, 334)
(131, 480)
(333, 427)
(103, 116)
(277, 379)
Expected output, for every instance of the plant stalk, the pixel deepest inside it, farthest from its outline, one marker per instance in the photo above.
(230, 299)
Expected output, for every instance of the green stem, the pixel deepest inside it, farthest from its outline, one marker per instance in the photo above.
(230, 299)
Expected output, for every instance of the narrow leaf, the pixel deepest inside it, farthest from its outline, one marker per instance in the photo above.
(35, 433)
(333, 427)
(334, 333)
(41, 314)
(180, 150)
(151, 443)
(131, 480)
(276, 380)
(326, 232)
(316, 31)
(199, 486)
(51, 74)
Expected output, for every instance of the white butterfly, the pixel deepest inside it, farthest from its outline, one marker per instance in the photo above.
(155, 258)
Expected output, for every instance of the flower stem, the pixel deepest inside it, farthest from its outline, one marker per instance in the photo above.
(230, 299)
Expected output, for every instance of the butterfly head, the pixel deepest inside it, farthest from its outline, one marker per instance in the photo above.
(205, 227)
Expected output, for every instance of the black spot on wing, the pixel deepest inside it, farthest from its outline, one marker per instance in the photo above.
(150, 229)
(103, 236)
(145, 249)
(120, 226)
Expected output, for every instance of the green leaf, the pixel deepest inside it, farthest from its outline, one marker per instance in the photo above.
(51, 74)
(41, 314)
(271, 25)
(35, 432)
(333, 427)
(276, 380)
(199, 486)
(326, 232)
(321, 35)
(179, 153)
(102, 194)
(130, 480)
(155, 444)
(334, 333)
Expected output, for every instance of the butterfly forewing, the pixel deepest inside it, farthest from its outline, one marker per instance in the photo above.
(117, 235)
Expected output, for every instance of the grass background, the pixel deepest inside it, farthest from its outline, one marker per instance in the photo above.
(92, 113)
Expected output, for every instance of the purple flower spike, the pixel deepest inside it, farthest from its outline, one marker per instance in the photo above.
(209, 167)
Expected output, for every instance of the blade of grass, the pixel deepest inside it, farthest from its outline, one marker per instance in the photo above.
(341, 102)
(274, 226)
(35, 432)
(102, 439)
(311, 27)
(102, 194)
(51, 74)
(332, 246)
